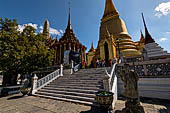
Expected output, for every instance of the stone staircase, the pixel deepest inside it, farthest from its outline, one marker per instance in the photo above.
(79, 87)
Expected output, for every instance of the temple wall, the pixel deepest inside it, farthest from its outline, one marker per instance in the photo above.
(150, 87)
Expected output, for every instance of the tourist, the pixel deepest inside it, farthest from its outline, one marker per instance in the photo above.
(84, 64)
(110, 63)
(114, 61)
(92, 64)
(103, 63)
(97, 63)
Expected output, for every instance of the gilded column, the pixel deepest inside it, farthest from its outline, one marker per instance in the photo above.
(69, 46)
(82, 54)
(85, 55)
(74, 48)
(78, 49)
(60, 54)
(56, 58)
(64, 47)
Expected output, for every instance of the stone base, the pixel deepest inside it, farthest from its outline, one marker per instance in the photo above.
(133, 106)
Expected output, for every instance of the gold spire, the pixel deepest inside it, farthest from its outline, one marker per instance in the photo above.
(69, 27)
(148, 37)
(110, 9)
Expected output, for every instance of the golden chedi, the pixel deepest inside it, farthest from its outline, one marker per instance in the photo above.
(117, 28)
(114, 36)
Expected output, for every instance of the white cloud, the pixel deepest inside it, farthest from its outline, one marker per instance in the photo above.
(162, 39)
(54, 31)
(61, 31)
(22, 27)
(41, 29)
(31, 24)
(167, 32)
(162, 9)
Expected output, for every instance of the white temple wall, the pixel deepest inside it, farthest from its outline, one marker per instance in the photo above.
(150, 87)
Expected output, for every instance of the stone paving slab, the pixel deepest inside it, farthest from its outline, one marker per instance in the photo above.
(31, 104)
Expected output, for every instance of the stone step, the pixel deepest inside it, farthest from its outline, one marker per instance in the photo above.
(90, 91)
(75, 87)
(75, 93)
(72, 85)
(79, 87)
(77, 81)
(80, 78)
(69, 100)
(80, 98)
(84, 76)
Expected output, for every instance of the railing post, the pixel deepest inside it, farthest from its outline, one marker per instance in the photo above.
(145, 70)
(61, 70)
(34, 84)
(106, 82)
(72, 66)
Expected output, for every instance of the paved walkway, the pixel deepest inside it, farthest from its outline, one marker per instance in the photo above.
(150, 106)
(31, 104)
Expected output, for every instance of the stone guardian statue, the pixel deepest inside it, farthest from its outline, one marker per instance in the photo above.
(131, 93)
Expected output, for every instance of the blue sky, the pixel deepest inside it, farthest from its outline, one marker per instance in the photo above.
(86, 16)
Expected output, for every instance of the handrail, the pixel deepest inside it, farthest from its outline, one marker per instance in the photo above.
(38, 84)
(113, 74)
(110, 83)
(47, 79)
(74, 68)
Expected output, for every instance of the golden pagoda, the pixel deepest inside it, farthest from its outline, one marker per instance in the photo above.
(114, 36)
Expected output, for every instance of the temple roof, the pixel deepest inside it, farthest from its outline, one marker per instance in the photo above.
(110, 9)
(148, 37)
(69, 35)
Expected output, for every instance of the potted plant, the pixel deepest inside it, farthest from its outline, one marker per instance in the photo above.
(25, 90)
(104, 98)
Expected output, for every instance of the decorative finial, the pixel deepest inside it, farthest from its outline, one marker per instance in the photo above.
(69, 4)
(92, 45)
(143, 20)
(142, 39)
(69, 27)
(148, 37)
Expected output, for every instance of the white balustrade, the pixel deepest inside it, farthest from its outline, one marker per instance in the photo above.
(38, 84)
(47, 79)
(110, 83)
